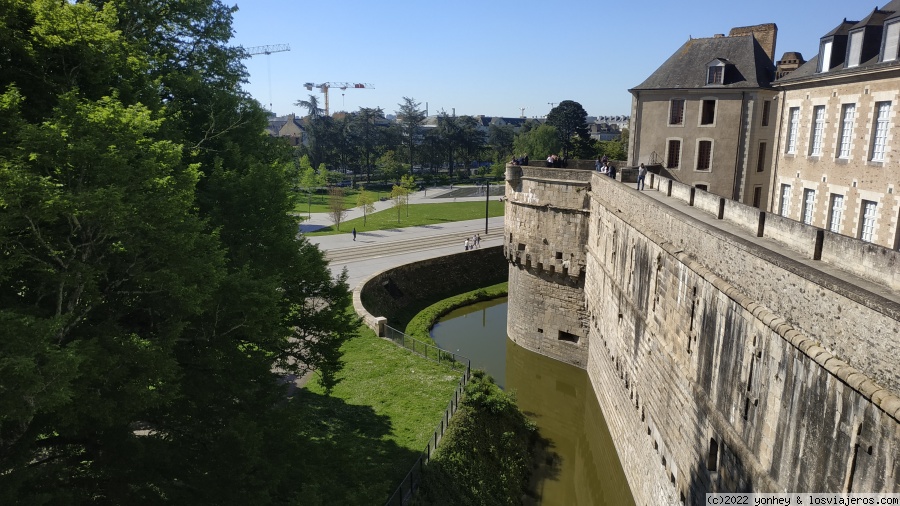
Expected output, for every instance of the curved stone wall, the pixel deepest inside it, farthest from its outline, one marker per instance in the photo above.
(399, 293)
(546, 226)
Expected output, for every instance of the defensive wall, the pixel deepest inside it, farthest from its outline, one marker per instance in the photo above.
(399, 293)
(730, 349)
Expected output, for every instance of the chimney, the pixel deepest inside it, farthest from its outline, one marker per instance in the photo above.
(765, 34)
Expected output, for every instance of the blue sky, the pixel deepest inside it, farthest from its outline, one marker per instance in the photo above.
(494, 57)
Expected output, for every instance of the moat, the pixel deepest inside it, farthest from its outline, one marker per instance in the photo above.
(584, 467)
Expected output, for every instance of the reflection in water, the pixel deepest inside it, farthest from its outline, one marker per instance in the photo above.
(583, 467)
(477, 332)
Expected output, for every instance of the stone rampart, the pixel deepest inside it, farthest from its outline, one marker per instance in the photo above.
(728, 351)
(546, 225)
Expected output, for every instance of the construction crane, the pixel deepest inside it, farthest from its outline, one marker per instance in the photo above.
(324, 87)
(267, 50)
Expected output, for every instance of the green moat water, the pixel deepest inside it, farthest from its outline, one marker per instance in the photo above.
(583, 468)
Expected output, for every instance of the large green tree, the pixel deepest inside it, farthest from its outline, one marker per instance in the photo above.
(154, 292)
(538, 143)
(500, 139)
(369, 136)
(410, 118)
(570, 120)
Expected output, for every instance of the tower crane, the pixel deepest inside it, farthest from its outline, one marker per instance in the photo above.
(267, 50)
(324, 87)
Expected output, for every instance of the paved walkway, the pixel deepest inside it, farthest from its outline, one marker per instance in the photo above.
(379, 250)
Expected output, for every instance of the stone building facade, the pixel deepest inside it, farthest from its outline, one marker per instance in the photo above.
(730, 349)
(835, 166)
(706, 116)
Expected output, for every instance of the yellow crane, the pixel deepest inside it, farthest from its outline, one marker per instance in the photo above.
(324, 87)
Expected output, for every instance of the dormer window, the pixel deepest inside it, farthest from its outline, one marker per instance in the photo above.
(891, 41)
(715, 71)
(825, 56)
(854, 53)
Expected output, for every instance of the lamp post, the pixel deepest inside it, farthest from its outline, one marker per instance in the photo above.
(487, 203)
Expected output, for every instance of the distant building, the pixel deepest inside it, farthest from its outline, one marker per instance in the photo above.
(788, 63)
(604, 131)
(289, 126)
(706, 116)
(620, 122)
(835, 166)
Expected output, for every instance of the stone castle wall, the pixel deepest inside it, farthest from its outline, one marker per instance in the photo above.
(721, 365)
(546, 229)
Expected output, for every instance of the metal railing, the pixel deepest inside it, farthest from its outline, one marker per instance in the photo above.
(426, 350)
(407, 488)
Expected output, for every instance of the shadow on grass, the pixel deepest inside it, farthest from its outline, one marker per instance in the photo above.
(347, 457)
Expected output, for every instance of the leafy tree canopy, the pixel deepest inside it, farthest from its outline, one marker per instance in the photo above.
(153, 292)
(538, 143)
(570, 120)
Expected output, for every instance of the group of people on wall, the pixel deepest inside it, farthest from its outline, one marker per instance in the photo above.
(556, 162)
(603, 166)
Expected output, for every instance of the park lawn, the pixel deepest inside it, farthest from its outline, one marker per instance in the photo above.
(319, 202)
(376, 421)
(419, 214)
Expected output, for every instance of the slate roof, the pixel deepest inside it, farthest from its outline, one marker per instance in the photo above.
(877, 17)
(686, 69)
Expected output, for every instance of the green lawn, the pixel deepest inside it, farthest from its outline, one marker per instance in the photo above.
(319, 201)
(419, 214)
(366, 436)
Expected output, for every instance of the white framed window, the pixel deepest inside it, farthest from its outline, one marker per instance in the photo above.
(676, 111)
(673, 154)
(785, 200)
(882, 122)
(809, 205)
(715, 74)
(867, 227)
(825, 61)
(818, 127)
(704, 155)
(707, 112)
(891, 42)
(793, 126)
(836, 213)
(848, 117)
(854, 52)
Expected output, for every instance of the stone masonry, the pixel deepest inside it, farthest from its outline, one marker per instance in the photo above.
(729, 353)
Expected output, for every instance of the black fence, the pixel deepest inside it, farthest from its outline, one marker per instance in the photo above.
(404, 493)
(426, 350)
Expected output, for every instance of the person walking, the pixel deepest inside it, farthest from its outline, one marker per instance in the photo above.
(642, 175)
(467, 244)
(354, 233)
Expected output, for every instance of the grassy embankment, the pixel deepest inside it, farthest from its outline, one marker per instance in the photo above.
(487, 454)
(419, 327)
(382, 414)
(419, 214)
(365, 436)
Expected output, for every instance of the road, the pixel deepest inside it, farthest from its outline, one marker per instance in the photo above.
(379, 250)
